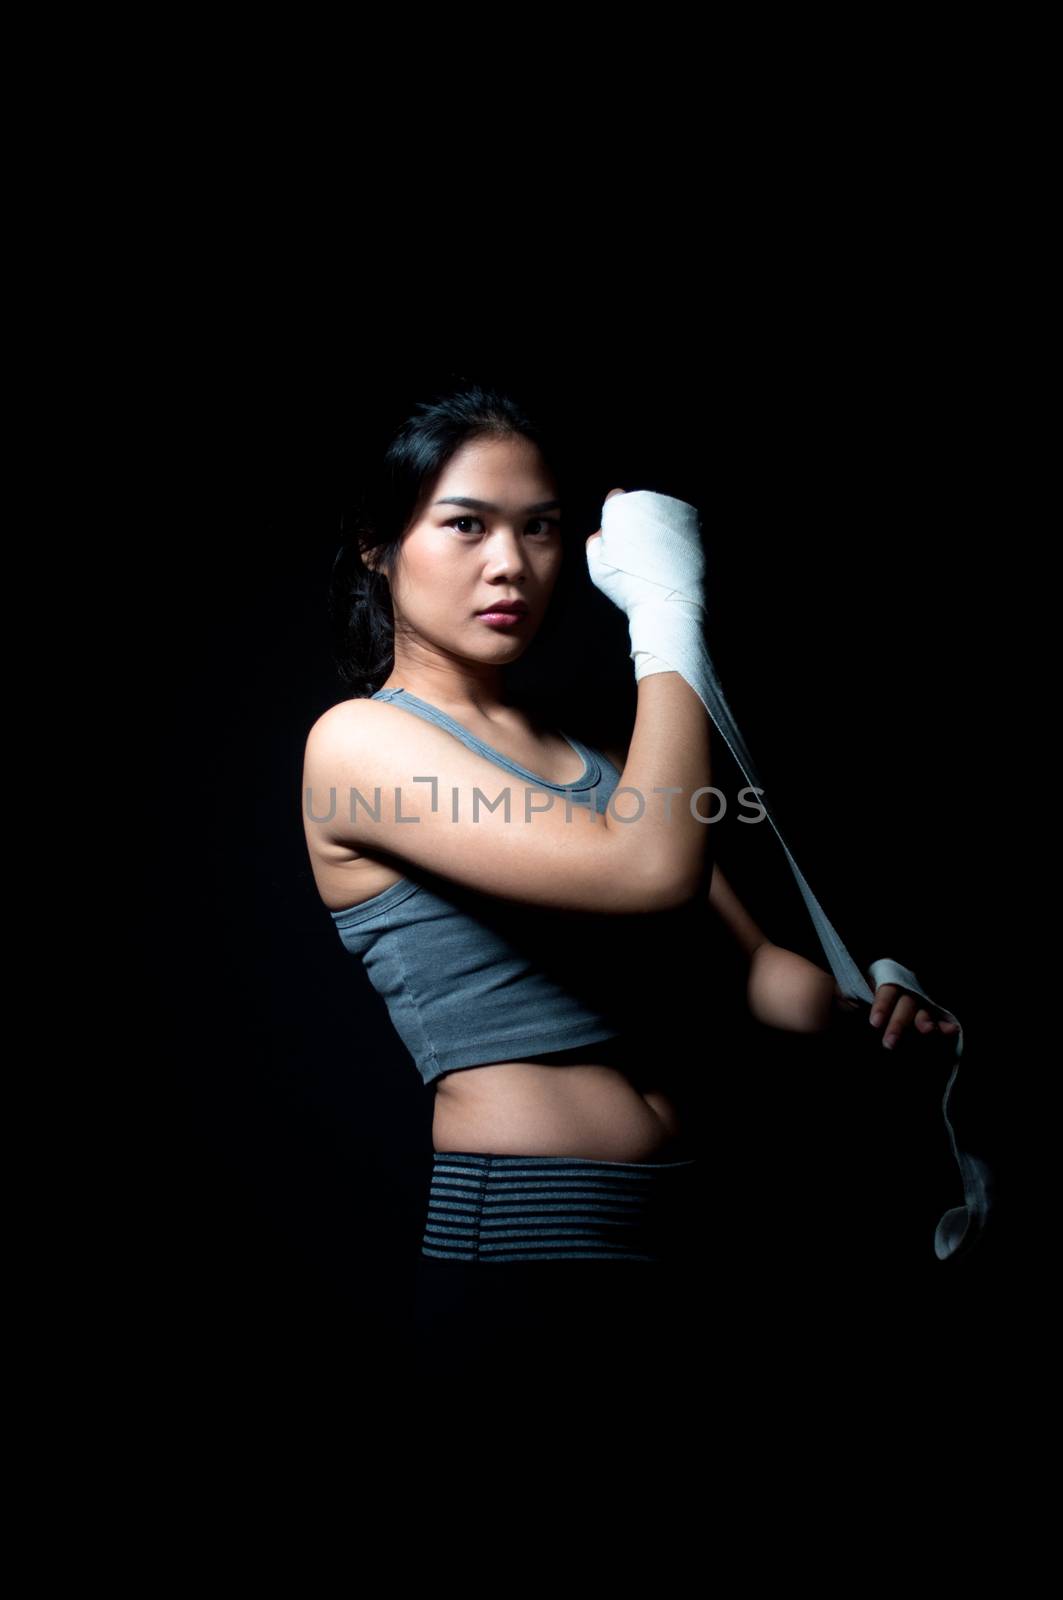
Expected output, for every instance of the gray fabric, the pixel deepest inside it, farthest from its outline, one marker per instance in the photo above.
(493, 1208)
(470, 978)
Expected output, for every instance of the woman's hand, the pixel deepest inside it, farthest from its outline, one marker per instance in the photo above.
(598, 532)
(894, 1009)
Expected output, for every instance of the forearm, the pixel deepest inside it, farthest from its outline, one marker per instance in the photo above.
(669, 758)
(784, 990)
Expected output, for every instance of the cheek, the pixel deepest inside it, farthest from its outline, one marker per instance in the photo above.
(550, 566)
(439, 592)
(433, 574)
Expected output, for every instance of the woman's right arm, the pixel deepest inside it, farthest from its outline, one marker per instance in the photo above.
(364, 757)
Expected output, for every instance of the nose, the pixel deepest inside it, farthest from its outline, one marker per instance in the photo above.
(506, 558)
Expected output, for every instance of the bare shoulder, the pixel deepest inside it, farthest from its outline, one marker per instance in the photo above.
(356, 726)
(341, 722)
(361, 741)
(382, 782)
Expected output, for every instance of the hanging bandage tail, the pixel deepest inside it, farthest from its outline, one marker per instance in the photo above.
(670, 640)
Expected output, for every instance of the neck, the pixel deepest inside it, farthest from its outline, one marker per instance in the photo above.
(454, 685)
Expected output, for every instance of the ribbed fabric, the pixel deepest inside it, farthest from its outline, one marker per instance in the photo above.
(492, 1208)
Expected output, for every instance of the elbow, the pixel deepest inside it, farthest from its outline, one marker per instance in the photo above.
(664, 887)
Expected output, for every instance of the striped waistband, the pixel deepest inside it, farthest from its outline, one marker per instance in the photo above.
(490, 1208)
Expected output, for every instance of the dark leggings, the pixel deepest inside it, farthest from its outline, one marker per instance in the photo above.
(555, 1269)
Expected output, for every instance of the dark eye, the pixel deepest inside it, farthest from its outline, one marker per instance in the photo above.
(541, 527)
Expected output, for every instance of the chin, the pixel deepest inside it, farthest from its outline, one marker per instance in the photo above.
(500, 642)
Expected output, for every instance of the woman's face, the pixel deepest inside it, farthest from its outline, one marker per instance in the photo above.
(457, 559)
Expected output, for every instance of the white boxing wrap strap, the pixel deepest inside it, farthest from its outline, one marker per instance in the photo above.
(650, 561)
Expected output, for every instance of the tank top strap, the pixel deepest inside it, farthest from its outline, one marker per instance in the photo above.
(589, 778)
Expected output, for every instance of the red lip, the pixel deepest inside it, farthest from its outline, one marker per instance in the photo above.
(514, 607)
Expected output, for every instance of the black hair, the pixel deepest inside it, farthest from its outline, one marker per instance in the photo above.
(390, 496)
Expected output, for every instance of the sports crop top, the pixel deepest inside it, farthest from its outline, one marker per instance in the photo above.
(470, 978)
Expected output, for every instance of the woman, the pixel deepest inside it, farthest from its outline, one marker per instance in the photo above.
(507, 939)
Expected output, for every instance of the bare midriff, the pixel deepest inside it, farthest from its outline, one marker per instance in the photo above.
(595, 1101)
(569, 1103)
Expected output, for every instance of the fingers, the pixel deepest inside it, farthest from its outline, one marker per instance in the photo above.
(903, 1012)
(894, 1009)
(597, 533)
(928, 1024)
(885, 995)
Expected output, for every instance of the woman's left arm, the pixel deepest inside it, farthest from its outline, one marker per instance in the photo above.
(784, 990)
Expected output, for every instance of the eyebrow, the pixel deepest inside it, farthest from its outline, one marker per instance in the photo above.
(485, 505)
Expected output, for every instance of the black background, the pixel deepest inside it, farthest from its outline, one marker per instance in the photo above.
(840, 475)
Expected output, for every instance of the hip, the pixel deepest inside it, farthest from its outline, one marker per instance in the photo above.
(557, 1106)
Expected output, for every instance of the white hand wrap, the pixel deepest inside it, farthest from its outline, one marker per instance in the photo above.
(650, 562)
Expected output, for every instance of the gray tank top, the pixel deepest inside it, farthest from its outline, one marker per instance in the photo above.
(470, 978)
